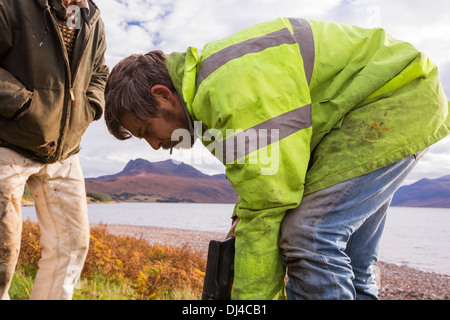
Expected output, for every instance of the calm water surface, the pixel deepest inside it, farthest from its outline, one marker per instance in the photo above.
(417, 237)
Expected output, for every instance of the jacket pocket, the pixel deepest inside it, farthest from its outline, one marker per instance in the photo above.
(90, 108)
(81, 116)
(39, 129)
(13, 94)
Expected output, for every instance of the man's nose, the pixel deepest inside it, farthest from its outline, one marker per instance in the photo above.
(154, 143)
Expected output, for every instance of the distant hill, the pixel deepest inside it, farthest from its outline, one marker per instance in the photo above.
(424, 193)
(164, 181)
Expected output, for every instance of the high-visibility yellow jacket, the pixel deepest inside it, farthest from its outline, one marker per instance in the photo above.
(293, 106)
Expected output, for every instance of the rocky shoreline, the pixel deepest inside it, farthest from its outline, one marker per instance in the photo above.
(395, 282)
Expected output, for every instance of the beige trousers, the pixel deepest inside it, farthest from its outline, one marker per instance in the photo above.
(60, 199)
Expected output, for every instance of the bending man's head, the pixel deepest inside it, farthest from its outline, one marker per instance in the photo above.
(142, 102)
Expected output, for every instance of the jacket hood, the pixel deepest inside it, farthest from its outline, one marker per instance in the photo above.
(42, 3)
(92, 7)
(86, 15)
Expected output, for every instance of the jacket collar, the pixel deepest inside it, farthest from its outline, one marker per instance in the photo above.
(182, 67)
(93, 9)
(42, 3)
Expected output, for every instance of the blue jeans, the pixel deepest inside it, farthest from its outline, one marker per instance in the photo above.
(331, 240)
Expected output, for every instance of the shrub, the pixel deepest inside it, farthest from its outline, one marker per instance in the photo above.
(30, 248)
(99, 197)
(156, 271)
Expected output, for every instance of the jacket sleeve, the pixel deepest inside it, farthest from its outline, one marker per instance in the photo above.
(260, 104)
(95, 91)
(266, 189)
(13, 94)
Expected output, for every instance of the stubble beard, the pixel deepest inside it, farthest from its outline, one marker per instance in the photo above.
(180, 121)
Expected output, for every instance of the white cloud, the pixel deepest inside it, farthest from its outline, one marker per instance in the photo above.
(138, 26)
(425, 24)
(196, 22)
(444, 71)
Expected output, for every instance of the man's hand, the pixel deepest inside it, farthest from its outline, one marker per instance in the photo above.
(233, 227)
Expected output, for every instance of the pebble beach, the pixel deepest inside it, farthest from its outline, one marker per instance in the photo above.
(395, 282)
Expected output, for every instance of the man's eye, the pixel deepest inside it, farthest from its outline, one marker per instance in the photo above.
(141, 135)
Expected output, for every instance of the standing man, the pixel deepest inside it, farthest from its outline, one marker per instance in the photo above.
(52, 78)
(318, 124)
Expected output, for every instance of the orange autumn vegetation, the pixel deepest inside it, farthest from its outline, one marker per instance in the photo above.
(156, 271)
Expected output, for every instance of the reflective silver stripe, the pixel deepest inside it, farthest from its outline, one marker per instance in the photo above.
(305, 39)
(303, 36)
(218, 59)
(265, 133)
(282, 126)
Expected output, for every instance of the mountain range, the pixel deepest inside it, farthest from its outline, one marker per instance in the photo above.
(166, 181)
(432, 193)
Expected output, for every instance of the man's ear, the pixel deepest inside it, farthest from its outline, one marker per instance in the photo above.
(160, 91)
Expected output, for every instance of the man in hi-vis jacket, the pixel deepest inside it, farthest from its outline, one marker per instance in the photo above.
(317, 123)
(52, 80)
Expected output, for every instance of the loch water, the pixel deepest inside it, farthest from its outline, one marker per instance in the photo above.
(416, 237)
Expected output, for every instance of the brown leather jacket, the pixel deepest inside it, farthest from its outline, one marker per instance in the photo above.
(61, 98)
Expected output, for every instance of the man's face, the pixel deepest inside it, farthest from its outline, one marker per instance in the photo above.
(67, 3)
(157, 131)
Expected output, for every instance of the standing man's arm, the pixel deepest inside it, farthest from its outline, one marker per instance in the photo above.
(95, 91)
(13, 94)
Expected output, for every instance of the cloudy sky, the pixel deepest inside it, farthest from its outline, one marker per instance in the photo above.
(138, 26)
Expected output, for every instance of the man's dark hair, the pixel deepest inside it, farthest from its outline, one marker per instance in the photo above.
(128, 90)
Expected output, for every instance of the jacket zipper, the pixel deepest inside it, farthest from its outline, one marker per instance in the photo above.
(72, 95)
(70, 77)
